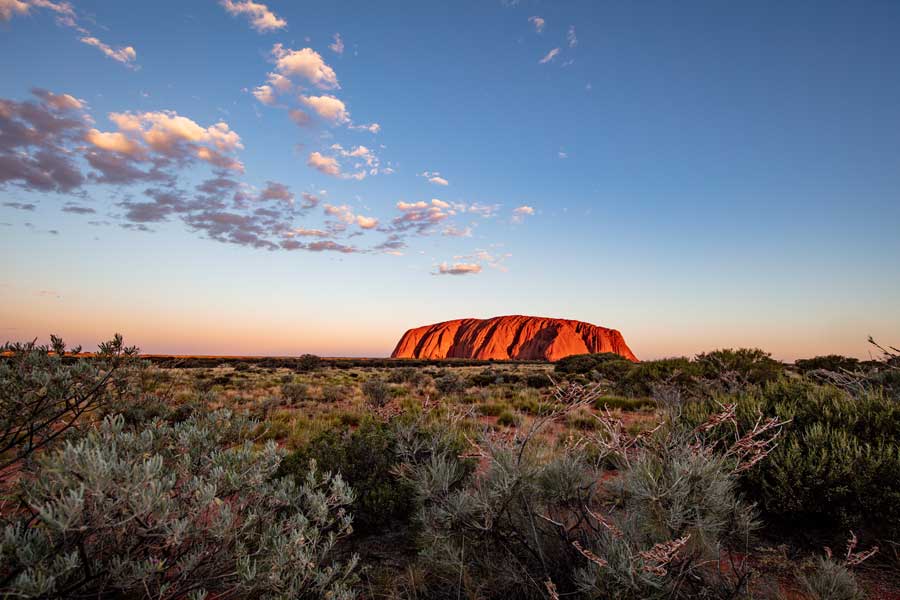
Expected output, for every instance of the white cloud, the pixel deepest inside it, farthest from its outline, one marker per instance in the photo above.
(549, 56)
(338, 45)
(538, 23)
(563, 155)
(328, 107)
(261, 18)
(571, 38)
(306, 63)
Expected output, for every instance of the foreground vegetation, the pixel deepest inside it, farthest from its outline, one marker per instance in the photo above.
(728, 475)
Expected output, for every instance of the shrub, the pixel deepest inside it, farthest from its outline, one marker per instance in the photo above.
(295, 391)
(508, 418)
(307, 362)
(644, 377)
(174, 511)
(44, 397)
(832, 362)
(836, 465)
(538, 381)
(334, 393)
(741, 367)
(531, 523)
(365, 459)
(449, 383)
(376, 391)
(830, 580)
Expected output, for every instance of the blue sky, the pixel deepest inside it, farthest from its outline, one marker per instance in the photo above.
(696, 175)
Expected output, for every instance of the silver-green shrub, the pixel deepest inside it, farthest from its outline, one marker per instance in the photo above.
(184, 510)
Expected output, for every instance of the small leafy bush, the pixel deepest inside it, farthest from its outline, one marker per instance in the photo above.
(376, 391)
(509, 418)
(365, 458)
(295, 391)
(449, 383)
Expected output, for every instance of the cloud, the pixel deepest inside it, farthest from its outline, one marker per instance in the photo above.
(174, 136)
(306, 63)
(458, 269)
(571, 38)
(371, 127)
(342, 213)
(338, 45)
(299, 117)
(10, 8)
(62, 102)
(309, 200)
(520, 212)
(453, 231)
(538, 23)
(366, 222)
(67, 17)
(303, 232)
(549, 56)
(434, 177)
(277, 191)
(125, 55)
(563, 155)
(114, 142)
(325, 164)
(421, 216)
(261, 18)
(264, 94)
(75, 209)
(20, 205)
(327, 107)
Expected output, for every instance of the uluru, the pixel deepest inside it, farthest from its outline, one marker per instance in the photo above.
(514, 337)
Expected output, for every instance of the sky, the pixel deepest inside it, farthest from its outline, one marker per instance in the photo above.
(278, 178)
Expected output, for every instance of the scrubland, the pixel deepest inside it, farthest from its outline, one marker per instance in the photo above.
(725, 475)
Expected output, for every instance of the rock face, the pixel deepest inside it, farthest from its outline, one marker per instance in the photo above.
(510, 338)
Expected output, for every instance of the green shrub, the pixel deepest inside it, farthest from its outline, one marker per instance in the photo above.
(744, 365)
(365, 458)
(538, 381)
(493, 409)
(295, 391)
(614, 402)
(509, 418)
(334, 393)
(449, 383)
(307, 362)
(832, 362)
(174, 511)
(645, 376)
(376, 391)
(582, 364)
(836, 464)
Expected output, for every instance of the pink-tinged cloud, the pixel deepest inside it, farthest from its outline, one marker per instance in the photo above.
(114, 141)
(538, 23)
(125, 55)
(438, 180)
(11, 8)
(338, 46)
(520, 212)
(299, 117)
(265, 94)
(370, 127)
(305, 63)
(366, 222)
(342, 213)
(549, 56)
(262, 19)
(325, 164)
(458, 269)
(328, 107)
